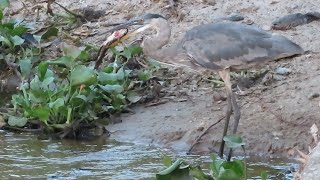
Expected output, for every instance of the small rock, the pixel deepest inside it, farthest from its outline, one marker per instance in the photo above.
(313, 96)
(278, 77)
(219, 97)
(283, 71)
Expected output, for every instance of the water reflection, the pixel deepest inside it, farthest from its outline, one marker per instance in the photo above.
(24, 156)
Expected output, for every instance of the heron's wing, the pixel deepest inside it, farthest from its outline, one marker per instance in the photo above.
(223, 45)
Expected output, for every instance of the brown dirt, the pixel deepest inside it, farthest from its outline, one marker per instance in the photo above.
(275, 118)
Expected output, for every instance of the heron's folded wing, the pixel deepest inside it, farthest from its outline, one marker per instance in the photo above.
(219, 51)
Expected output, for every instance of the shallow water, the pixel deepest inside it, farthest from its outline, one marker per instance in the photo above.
(23, 156)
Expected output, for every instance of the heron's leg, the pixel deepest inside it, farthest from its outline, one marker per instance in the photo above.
(236, 115)
(226, 78)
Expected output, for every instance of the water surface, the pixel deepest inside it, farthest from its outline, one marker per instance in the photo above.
(23, 156)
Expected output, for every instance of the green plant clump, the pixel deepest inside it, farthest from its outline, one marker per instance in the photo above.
(220, 169)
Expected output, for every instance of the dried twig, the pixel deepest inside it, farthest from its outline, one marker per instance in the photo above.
(204, 133)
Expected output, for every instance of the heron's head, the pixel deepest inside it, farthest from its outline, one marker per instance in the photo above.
(144, 22)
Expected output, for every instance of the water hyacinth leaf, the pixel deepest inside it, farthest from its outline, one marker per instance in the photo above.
(42, 70)
(108, 69)
(82, 75)
(234, 170)
(133, 97)
(84, 56)
(46, 82)
(120, 74)
(112, 88)
(233, 141)
(40, 112)
(25, 67)
(175, 172)
(199, 174)
(107, 78)
(50, 33)
(130, 51)
(215, 165)
(1, 16)
(17, 121)
(167, 161)
(6, 41)
(17, 41)
(121, 97)
(144, 75)
(18, 31)
(64, 60)
(4, 4)
(56, 104)
(83, 97)
(264, 176)
(70, 50)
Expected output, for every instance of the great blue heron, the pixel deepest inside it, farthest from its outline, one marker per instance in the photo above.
(221, 47)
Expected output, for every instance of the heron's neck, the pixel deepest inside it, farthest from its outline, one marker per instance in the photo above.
(152, 46)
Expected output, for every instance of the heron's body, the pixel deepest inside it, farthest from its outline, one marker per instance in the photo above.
(235, 46)
(221, 47)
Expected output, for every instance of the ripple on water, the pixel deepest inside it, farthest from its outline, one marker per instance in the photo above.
(24, 156)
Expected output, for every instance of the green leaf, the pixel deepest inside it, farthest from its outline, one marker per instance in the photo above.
(25, 67)
(133, 97)
(6, 41)
(84, 56)
(1, 16)
(64, 60)
(233, 141)
(71, 51)
(17, 41)
(42, 70)
(264, 176)
(4, 4)
(130, 51)
(40, 112)
(175, 172)
(199, 174)
(17, 121)
(167, 161)
(46, 82)
(171, 168)
(57, 104)
(234, 170)
(112, 88)
(120, 74)
(215, 165)
(18, 31)
(50, 32)
(82, 75)
(144, 75)
(107, 78)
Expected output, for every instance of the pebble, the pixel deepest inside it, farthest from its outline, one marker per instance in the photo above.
(283, 71)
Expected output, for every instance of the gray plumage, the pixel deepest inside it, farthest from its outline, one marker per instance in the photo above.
(222, 45)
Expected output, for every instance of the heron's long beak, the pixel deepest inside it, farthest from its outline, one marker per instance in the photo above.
(132, 33)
